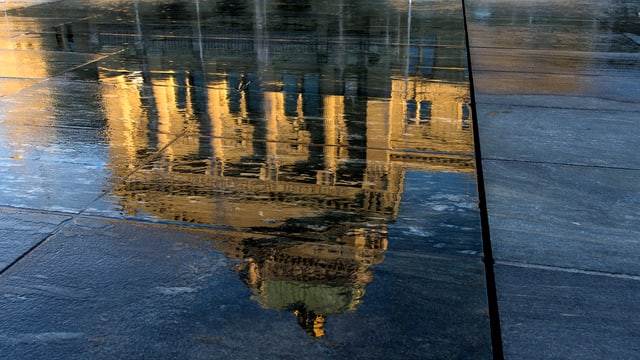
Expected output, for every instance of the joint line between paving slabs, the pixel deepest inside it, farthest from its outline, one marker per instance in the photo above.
(143, 163)
(568, 270)
(36, 245)
(492, 295)
(595, 166)
(74, 216)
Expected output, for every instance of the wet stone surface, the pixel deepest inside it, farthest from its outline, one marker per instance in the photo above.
(140, 290)
(247, 179)
(556, 86)
(594, 25)
(20, 231)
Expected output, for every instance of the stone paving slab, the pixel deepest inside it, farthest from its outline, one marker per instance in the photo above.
(614, 88)
(590, 137)
(16, 4)
(58, 153)
(40, 172)
(598, 24)
(39, 65)
(112, 289)
(22, 230)
(109, 289)
(10, 86)
(56, 103)
(558, 314)
(557, 97)
(575, 63)
(566, 216)
(514, 36)
(562, 101)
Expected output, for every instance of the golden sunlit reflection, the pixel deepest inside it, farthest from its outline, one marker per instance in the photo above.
(301, 146)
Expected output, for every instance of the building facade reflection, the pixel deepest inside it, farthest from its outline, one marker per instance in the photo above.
(298, 129)
(295, 121)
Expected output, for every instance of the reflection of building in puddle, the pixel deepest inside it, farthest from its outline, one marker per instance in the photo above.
(230, 160)
(312, 279)
(325, 185)
(305, 146)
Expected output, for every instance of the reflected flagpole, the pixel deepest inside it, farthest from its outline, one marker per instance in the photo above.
(406, 68)
(6, 14)
(138, 26)
(262, 50)
(139, 44)
(200, 46)
(407, 61)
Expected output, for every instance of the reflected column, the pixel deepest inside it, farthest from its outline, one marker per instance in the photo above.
(333, 108)
(218, 108)
(147, 97)
(211, 117)
(272, 114)
(269, 170)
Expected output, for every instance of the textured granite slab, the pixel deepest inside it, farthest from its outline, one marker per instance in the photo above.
(566, 216)
(20, 231)
(607, 138)
(557, 314)
(556, 62)
(105, 289)
(603, 86)
(557, 99)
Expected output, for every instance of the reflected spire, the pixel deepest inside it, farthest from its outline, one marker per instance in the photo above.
(311, 322)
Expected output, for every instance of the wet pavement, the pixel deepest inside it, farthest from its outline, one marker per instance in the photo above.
(557, 96)
(238, 179)
(297, 179)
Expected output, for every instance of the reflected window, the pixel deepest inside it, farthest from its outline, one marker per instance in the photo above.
(412, 110)
(414, 59)
(425, 111)
(466, 115)
(291, 95)
(418, 112)
(421, 59)
(311, 90)
(234, 80)
(428, 59)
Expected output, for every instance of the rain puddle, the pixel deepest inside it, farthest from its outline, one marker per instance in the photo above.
(333, 136)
